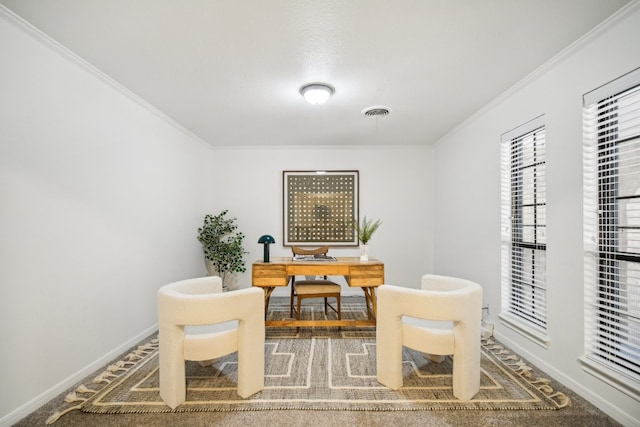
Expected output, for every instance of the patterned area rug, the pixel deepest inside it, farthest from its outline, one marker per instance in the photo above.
(319, 369)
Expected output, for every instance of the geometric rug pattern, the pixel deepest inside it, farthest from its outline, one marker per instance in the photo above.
(318, 369)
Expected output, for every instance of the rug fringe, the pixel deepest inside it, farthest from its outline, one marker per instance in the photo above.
(115, 370)
(84, 389)
(111, 372)
(526, 371)
(56, 416)
(73, 397)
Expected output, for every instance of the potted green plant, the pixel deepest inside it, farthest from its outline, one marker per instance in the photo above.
(222, 246)
(365, 230)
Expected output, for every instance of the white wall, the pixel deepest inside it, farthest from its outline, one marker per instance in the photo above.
(395, 187)
(101, 198)
(99, 202)
(467, 200)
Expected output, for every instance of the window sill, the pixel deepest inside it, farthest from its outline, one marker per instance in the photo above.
(535, 335)
(626, 384)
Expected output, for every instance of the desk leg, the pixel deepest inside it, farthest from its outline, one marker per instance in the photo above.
(374, 302)
(267, 295)
(370, 300)
(293, 282)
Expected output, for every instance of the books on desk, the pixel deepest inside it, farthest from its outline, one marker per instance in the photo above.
(318, 257)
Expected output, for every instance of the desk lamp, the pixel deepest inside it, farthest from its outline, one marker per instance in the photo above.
(266, 240)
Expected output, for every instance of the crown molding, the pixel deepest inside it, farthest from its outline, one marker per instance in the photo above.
(324, 147)
(617, 17)
(23, 25)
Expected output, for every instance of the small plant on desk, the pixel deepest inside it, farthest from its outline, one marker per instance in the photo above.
(365, 231)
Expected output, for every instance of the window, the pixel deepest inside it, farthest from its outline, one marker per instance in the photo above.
(524, 293)
(612, 232)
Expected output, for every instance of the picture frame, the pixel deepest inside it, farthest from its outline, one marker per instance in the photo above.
(320, 207)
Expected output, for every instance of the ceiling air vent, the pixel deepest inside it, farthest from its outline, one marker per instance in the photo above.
(376, 111)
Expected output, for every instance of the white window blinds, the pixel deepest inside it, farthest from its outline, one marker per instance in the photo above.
(523, 224)
(612, 225)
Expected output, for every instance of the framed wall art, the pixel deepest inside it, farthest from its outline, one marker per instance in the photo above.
(320, 208)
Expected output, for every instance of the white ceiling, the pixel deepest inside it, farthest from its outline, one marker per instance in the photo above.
(230, 70)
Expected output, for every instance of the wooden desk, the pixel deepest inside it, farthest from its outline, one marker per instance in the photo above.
(367, 275)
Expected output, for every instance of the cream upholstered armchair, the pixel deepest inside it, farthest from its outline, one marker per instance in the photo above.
(442, 299)
(199, 302)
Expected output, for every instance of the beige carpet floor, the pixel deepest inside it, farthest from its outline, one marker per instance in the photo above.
(578, 413)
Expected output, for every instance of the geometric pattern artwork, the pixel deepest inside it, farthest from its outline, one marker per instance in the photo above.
(320, 208)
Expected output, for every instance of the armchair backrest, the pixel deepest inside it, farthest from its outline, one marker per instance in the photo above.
(441, 300)
(200, 301)
(451, 298)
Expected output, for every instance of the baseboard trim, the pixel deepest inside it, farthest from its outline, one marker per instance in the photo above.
(604, 405)
(24, 410)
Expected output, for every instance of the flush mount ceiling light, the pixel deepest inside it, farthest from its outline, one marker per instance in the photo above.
(317, 93)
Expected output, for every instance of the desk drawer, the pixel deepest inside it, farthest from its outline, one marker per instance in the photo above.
(269, 275)
(318, 269)
(367, 275)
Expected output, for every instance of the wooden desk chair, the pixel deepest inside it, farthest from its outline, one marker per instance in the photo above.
(312, 287)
